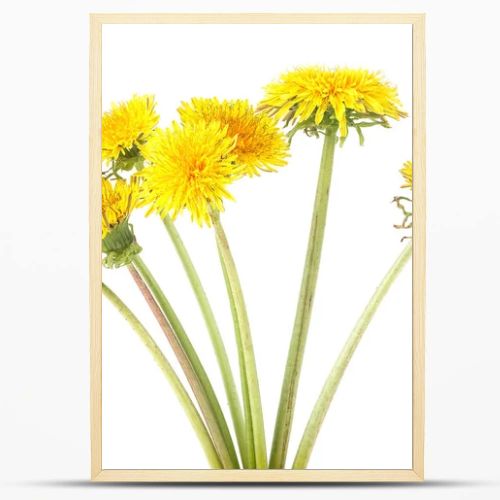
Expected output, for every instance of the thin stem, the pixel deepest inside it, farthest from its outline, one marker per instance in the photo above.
(245, 345)
(204, 395)
(332, 382)
(291, 377)
(248, 428)
(179, 390)
(214, 332)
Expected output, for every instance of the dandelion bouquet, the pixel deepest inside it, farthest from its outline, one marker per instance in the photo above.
(190, 166)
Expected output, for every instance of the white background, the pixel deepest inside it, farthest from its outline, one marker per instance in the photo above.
(44, 427)
(369, 426)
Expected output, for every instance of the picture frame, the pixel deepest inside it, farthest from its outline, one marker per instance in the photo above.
(413, 474)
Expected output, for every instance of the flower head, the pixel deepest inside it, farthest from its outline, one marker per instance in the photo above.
(118, 201)
(404, 203)
(320, 96)
(407, 173)
(118, 240)
(126, 127)
(260, 144)
(190, 168)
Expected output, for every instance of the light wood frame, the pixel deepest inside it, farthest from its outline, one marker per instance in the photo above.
(416, 473)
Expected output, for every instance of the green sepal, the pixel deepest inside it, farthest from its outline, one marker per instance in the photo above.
(120, 246)
(128, 161)
(354, 119)
(124, 164)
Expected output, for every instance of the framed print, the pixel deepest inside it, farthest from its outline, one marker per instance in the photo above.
(257, 247)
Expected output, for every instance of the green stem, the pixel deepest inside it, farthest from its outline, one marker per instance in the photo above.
(181, 393)
(245, 346)
(289, 388)
(332, 382)
(189, 361)
(214, 332)
(248, 428)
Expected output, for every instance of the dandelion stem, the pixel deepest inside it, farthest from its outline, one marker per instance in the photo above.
(189, 361)
(179, 390)
(291, 377)
(332, 382)
(250, 385)
(248, 428)
(214, 332)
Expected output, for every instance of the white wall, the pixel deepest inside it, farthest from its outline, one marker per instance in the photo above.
(43, 243)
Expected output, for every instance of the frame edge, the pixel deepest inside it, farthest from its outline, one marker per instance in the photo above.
(306, 476)
(419, 242)
(95, 246)
(98, 474)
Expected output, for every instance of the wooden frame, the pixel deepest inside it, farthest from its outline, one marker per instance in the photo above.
(416, 473)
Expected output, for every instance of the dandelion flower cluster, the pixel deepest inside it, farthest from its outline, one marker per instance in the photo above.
(127, 126)
(118, 201)
(189, 168)
(260, 145)
(315, 93)
(407, 173)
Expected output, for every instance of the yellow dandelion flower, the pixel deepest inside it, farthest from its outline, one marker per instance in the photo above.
(127, 125)
(189, 168)
(118, 201)
(404, 203)
(260, 144)
(315, 93)
(407, 173)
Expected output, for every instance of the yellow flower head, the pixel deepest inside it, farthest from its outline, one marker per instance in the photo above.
(407, 173)
(190, 168)
(260, 144)
(405, 203)
(127, 125)
(118, 201)
(315, 93)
